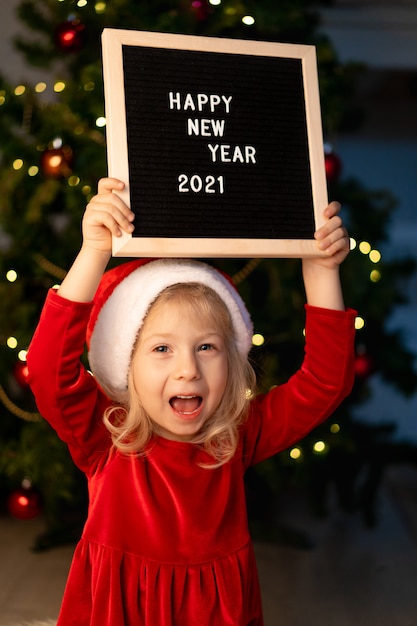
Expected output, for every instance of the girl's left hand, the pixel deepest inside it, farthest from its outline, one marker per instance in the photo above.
(332, 238)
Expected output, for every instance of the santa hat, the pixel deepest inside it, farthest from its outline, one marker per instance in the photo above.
(122, 301)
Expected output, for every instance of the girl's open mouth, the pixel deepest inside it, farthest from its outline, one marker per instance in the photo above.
(186, 405)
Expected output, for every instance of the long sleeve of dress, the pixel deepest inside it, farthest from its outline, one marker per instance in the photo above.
(290, 411)
(66, 394)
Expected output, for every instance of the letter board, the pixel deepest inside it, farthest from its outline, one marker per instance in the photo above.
(219, 142)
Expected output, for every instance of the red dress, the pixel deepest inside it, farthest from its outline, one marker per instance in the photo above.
(166, 542)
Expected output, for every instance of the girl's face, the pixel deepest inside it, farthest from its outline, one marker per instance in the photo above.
(179, 369)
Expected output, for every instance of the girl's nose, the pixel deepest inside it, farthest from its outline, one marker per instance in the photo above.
(186, 366)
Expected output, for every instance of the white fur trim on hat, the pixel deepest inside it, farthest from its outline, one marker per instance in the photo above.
(123, 313)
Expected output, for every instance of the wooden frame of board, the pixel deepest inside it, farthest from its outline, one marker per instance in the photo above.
(219, 142)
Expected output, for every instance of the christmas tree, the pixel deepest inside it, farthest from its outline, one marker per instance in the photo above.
(53, 152)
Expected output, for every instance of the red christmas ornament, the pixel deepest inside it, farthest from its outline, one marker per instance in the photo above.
(21, 373)
(57, 162)
(333, 166)
(69, 36)
(363, 365)
(201, 9)
(24, 503)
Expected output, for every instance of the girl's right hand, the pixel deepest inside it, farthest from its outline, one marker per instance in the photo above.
(106, 214)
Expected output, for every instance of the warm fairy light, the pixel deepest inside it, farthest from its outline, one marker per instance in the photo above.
(40, 87)
(295, 453)
(11, 276)
(100, 7)
(89, 86)
(2, 97)
(375, 256)
(17, 164)
(334, 428)
(365, 247)
(33, 170)
(258, 339)
(352, 243)
(19, 90)
(86, 190)
(22, 355)
(59, 86)
(100, 122)
(11, 343)
(319, 447)
(359, 323)
(82, 3)
(73, 181)
(215, 3)
(375, 276)
(248, 20)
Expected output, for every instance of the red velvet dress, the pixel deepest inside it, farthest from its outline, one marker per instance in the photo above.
(166, 542)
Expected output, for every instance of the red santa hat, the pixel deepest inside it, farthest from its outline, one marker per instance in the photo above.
(122, 301)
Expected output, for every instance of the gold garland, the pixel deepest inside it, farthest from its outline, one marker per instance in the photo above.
(13, 408)
(49, 267)
(250, 266)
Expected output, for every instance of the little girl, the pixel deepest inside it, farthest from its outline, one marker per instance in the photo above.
(168, 423)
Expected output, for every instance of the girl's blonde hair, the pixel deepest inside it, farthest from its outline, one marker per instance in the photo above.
(131, 428)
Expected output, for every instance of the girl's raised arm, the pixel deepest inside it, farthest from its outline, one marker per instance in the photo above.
(105, 215)
(321, 274)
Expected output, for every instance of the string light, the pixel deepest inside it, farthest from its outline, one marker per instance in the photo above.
(33, 170)
(319, 447)
(359, 323)
(17, 164)
(19, 90)
(40, 87)
(22, 355)
(100, 122)
(248, 20)
(215, 3)
(365, 247)
(11, 276)
(258, 340)
(73, 181)
(295, 453)
(375, 276)
(100, 7)
(59, 86)
(11, 343)
(375, 256)
(334, 428)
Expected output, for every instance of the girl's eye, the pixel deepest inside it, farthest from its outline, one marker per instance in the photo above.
(161, 349)
(206, 346)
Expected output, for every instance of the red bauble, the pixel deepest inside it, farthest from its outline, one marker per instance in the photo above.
(69, 35)
(21, 373)
(333, 166)
(201, 9)
(24, 503)
(56, 162)
(363, 365)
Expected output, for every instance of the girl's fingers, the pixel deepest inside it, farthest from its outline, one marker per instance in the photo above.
(108, 184)
(111, 216)
(332, 209)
